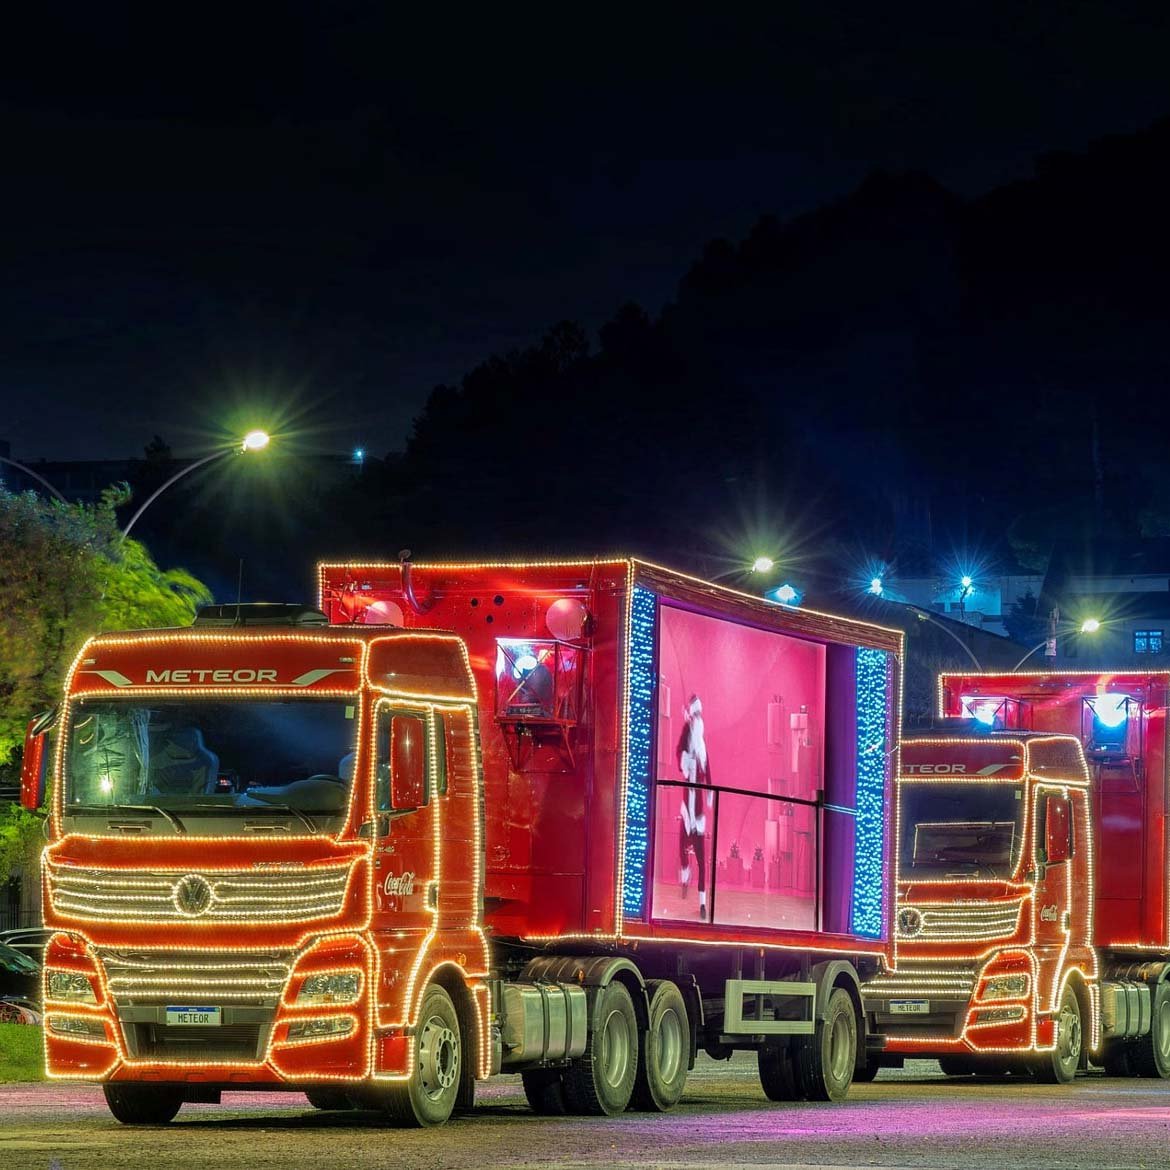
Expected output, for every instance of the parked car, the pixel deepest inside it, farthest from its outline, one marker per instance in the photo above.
(20, 978)
(29, 940)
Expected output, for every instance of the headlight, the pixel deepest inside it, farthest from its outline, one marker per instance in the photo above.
(69, 986)
(308, 1029)
(335, 988)
(1005, 987)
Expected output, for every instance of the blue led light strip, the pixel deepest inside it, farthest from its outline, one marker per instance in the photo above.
(873, 705)
(640, 721)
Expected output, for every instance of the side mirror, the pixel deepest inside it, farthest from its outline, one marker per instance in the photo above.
(408, 762)
(35, 760)
(1057, 829)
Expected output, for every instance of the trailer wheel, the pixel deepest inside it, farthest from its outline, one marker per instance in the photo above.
(545, 1091)
(827, 1064)
(867, 1072)
(602, 1080)
(428, 1097)
(328, 1099)
(663, 1049)
(1150, 1056)
(1060, 1066)
(778, 1072)
(134, 1104)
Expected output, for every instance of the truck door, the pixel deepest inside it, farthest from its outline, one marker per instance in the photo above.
(1054, 845)
(406, 790)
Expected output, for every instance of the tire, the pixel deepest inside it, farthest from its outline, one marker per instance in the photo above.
(134, 1104)
(826, 1065)
(1117, 1060)
(1150, 1055)
(663, 1049)
(601, 1081)
(1060, 1066)
(545, 1091)
(778, 1073)
(328, 1099)
(956, 1066)
(867, 1072)
(428, 1097)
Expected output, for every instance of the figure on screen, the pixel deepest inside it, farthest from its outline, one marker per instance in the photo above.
(695, 766)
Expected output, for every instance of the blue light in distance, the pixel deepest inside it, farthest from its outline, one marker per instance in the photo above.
(876, 587)
(640, 721)
(873, 733)
(786, 594)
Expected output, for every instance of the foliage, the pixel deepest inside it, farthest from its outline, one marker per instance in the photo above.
(22, 1055)
(65, 574)
(1023, 621)
(20, 840)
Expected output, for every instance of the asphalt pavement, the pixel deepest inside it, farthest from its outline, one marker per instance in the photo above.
(915, 1118)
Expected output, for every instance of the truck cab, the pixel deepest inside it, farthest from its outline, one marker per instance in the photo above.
(995, 966)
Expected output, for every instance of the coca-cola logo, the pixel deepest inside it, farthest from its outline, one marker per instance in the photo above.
(399, 885)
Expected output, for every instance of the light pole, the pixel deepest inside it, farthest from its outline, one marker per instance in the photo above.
(39, 478)
(252, 441)
(1088, 626)
(923, 616)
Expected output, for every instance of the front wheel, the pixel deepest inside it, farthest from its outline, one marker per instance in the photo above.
(663, 1049)
(602, 1080)
(328, 1099)
(1059, 1066)
(428, 1096)
(134, 1104)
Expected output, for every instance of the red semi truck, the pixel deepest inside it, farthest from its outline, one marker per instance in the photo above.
(1026, 892)
(574, 820)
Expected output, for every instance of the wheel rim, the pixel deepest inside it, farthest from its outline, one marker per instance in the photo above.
(1068, 1042)
(841, 1055)
(615, 1048)
(1161, 1026)
(438, 1057)
(669, 1045)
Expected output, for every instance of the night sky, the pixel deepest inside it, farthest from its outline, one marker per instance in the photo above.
(316, 214)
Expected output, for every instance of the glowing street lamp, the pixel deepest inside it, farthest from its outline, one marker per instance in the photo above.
(252, 441)
(876, 587)
(763, 565)
(1088, 626)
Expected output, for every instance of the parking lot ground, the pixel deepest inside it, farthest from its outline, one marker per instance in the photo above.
(915, 1117)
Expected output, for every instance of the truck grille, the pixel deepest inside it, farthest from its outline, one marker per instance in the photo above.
(951, 922)
(240, 1042)
(300, 895)
(157, 977)
(923, 981)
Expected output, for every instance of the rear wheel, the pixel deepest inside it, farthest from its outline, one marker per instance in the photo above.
(778, 1073)
(827, 1064)
(134, 1104)
(663, 1049)
(1060, 1066)
(545, 1091)
(602, 1080)
(956, 1066)
(867, 1072)
(328, 1099)
(1150, 1055)
(1117, 1060)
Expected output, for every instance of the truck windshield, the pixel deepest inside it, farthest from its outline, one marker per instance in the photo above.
(962, 829)
(201, 756)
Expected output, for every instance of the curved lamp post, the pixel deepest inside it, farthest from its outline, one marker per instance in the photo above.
(252, 441)
(923, 616)
(39, 478)
(1088, 626)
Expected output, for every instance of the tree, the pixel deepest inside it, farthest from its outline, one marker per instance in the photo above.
(66, 573)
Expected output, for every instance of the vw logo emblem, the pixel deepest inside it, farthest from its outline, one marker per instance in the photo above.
(192, 895)
(909, 921)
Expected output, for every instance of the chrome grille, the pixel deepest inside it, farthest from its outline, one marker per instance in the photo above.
(299, 895)
(922, 981)
(957, 922)
(154, 977)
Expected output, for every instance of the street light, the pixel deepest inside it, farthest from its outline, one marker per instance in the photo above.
(1088, 626)
(252, 441)
(39, 478)
(763, 565)
(923, 616)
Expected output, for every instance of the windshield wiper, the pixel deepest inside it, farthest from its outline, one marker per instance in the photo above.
(303, 817)
(115, 809)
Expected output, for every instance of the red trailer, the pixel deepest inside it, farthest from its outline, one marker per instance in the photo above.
(575, 820)
(1116, 863)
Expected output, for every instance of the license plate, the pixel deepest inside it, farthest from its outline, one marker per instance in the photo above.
(909, 1007)
(195, 1017)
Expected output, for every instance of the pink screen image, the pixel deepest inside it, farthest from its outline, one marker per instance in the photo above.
(738, 708)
